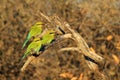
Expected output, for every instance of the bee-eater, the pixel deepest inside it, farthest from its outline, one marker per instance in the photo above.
(33, 47)
(34, 31)
(48, 37)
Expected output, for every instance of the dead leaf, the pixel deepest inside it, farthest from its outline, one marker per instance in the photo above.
(74, 78)
(116, 59)
(66, 75)
(81, 77)
(110, 37)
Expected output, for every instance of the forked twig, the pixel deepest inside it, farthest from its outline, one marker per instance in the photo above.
(82, 45)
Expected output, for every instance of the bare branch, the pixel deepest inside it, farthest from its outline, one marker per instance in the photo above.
(29, 60)
(69, 49)
(65, 36)
(46, 17)
(82, 45)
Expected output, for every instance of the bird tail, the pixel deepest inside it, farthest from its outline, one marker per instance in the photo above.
(27, 39)
(25, 43)
(24, 56)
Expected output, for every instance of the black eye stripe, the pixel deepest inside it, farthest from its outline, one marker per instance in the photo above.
(51, 33)
(36, 40)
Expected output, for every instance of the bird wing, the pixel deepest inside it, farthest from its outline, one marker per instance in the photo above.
(36, 30)
(33, 47)
(47, 38)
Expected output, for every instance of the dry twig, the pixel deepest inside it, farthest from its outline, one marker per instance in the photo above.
(29, 60)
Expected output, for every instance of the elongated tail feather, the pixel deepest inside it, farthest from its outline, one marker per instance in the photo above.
(25, 43)
(24, 56)
(27, 39)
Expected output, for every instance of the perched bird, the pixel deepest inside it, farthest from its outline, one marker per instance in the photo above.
(34, 31)
(48, 37)
(33, 47)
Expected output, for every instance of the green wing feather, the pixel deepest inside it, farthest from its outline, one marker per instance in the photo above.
(33, 47)
(48, 37)
(34, 31)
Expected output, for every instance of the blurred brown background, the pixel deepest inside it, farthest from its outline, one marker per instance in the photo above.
(98, 21)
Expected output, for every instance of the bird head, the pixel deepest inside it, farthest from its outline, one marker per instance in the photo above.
(36, 39)
(39, 23)
(50, 32)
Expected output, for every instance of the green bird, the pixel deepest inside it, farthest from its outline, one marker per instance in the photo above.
(34, 31)
(48, 37)
(33, 47)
